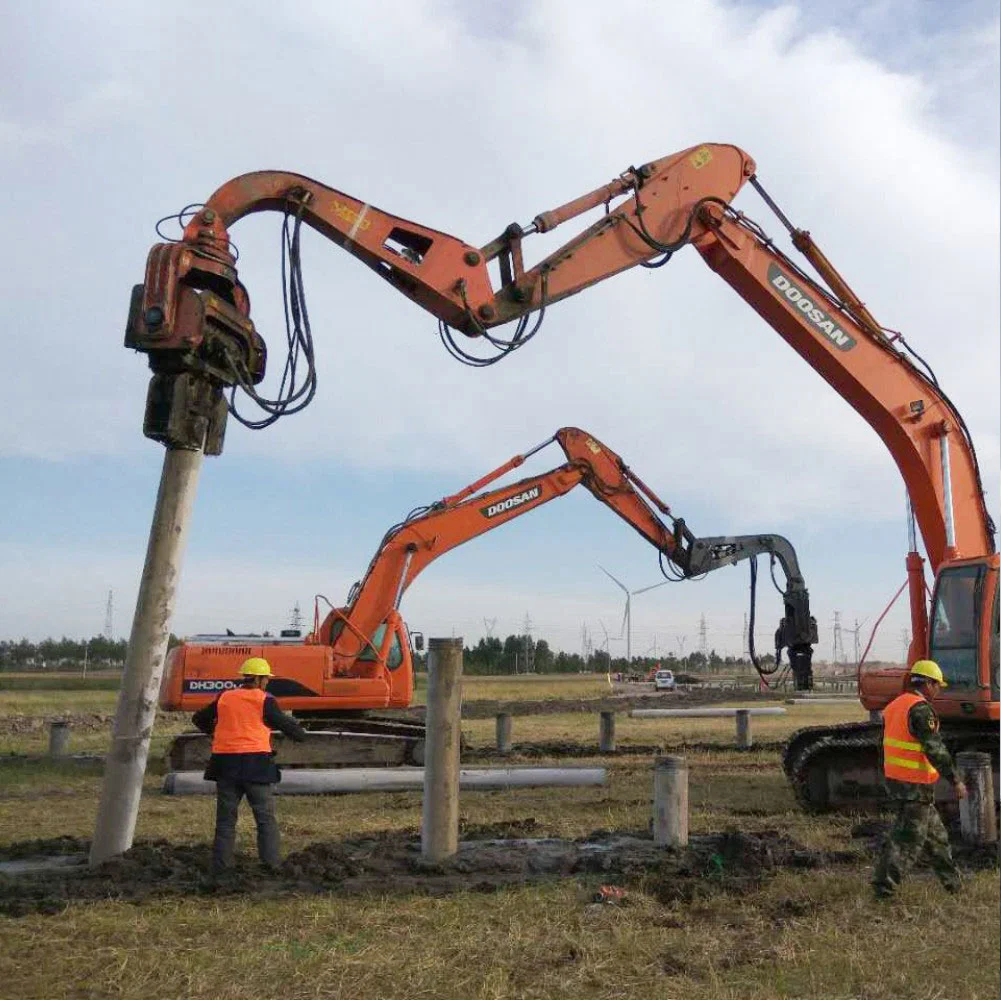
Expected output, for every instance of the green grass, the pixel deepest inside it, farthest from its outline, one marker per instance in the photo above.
(801, 934)
(104, 681)
(797, 937)
(524, 687)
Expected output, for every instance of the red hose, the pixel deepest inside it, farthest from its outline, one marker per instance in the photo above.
(858, 671)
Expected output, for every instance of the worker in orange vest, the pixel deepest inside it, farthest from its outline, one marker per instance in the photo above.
(913, 758)
(240, 721)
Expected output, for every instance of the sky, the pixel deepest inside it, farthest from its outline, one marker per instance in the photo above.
(874, 125)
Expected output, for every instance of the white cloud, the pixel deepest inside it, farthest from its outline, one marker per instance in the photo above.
(466, 127)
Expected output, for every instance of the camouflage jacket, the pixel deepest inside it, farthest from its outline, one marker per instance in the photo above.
(924, 726)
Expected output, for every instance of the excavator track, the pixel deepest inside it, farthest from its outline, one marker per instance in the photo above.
(332, 741)
(834, 768)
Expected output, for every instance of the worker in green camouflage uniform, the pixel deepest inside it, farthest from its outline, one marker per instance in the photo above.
(914, 757)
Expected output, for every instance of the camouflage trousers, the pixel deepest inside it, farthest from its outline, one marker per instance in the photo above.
(916, 828)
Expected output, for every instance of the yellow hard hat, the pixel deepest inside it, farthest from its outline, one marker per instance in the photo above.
(257, 666)
(929, 669)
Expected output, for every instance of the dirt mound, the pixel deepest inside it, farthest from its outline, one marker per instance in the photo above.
(489, 858)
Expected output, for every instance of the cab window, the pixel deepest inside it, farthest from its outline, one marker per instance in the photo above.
(956, 624)
(395, 656)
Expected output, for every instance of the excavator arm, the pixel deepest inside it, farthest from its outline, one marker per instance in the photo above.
(430, 532)
(192, 315)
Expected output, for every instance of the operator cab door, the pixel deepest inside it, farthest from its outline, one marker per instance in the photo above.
(964, 628)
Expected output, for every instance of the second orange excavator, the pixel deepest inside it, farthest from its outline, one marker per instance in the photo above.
(359, 657)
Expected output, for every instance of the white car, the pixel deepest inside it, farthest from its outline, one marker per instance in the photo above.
(663, 680)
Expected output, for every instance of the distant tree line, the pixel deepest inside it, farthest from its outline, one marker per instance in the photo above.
(517, 654)
(522, 654)
(98, 653)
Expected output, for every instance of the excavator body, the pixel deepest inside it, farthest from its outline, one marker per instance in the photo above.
(334, 699)
(840, 767)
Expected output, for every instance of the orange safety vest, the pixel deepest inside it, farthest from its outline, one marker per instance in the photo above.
(240, 726)
(903, 758)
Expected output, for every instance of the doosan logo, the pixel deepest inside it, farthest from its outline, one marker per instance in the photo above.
(502, 506)
(817, 317)
(209, 686)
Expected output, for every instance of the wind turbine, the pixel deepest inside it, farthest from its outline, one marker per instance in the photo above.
(627, 618)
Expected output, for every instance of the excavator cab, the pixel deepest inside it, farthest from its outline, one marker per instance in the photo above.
(963, 637)
(383, 667)
(962, 640)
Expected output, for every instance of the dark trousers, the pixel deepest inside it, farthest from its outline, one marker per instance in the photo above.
(262, 801)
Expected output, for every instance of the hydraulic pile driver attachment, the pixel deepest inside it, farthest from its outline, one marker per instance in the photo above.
(797, 631)
(191, 317)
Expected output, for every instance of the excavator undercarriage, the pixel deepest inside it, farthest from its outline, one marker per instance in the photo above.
(840, 769)
(333, 740)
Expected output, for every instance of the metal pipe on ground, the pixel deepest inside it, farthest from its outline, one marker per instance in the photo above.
(126, 761)
(670, 801)
(977, 819)
(59, 737)
(699, 713)
(606, 732)
(821, 701)
(503, 733)
(440, 809)
(345, 780)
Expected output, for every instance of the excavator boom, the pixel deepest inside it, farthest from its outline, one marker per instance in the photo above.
(408, 548)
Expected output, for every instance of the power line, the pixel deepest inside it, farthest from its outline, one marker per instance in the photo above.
(109, 617)
(854, 632)
(527, 645)
(905, 644)
(838, 648)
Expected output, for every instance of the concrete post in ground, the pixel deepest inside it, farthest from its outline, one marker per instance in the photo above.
(743, 729)
(670, 802)
(606, 733)
(133, 725)
(977, 819)
(503, 732)
(875, 715)
(440, 813)
(59, 737)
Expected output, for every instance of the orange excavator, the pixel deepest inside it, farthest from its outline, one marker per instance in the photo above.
(359, 657)
(192, 317)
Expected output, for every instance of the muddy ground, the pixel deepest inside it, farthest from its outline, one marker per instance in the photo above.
(490, 858)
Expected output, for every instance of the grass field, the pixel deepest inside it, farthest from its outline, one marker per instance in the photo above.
(793, 933)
